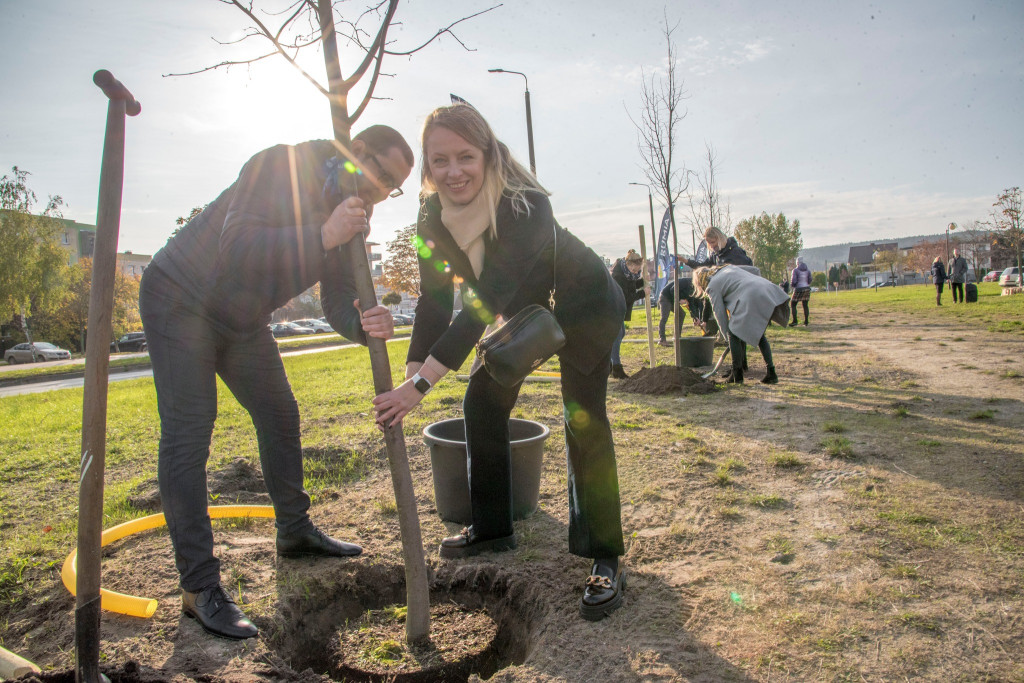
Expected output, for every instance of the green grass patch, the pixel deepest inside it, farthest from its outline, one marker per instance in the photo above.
(838, 447)
(785, 460)
(983, 415)
(772, 501)
(834, 427)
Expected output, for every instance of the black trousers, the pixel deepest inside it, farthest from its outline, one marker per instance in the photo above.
(666, 311)
(188, 352)
(958, 289)
(738, 348)
(595, 524)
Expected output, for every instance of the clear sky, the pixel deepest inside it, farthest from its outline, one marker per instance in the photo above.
(863, 120)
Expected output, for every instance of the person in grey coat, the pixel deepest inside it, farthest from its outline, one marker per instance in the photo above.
(957, 276)
(743, 303)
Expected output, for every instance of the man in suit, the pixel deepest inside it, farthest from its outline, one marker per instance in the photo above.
(206, 301)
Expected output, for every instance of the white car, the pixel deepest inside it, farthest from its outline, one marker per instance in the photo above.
(44, 351)
(314, 324)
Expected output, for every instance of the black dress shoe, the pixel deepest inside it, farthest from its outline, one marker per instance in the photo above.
(314, 543)
(603, 592)
(618, 372)
(217, 613)
(466, 543)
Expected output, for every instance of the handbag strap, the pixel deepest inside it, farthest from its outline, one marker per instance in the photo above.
(554, 270)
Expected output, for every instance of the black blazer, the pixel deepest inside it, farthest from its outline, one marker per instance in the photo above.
(517, 272)
(731, 254)
(632, 290)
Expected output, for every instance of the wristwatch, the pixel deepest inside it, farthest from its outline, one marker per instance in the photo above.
(422, 384)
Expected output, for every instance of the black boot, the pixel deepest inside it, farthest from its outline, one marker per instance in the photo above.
(736, 376)
(618, 372)
(771, 377)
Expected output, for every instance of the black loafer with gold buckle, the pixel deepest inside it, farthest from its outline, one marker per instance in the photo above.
(603, 592)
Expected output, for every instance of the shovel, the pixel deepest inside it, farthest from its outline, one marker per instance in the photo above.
(717, 365)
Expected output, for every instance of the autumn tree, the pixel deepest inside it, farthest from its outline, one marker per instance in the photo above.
(401, 266)
(1006, 218)
(771, 241)
(391, 299)
(893, 260)
(182, 221)
(31, 258)
(922, 254)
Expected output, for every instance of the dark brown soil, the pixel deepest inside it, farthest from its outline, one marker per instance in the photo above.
(374, 647)
(667, 379)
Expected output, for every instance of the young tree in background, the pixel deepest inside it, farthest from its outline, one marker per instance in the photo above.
(182, 221)
(391, 299)
(707, 209)
(31, 258)
(892, 260)
(1006, 218)
(661, 112)
(401, 267)
(974, 240)
(771, 241)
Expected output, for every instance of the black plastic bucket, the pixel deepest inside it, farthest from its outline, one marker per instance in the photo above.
(448, 463)
(696, 352)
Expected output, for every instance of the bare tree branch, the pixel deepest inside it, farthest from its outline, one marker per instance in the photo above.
(447, 29)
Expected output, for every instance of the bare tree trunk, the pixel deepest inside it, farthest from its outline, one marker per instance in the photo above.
(417, 624)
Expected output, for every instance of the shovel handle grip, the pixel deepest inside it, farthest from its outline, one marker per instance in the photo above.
(115, 90)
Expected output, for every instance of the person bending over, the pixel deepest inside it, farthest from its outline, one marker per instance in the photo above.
(206, 301)
(743, 303)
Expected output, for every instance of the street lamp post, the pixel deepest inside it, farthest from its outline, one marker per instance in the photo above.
(951, 226)
(529, 116)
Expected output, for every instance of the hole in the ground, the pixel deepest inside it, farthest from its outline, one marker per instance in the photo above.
(320, 625)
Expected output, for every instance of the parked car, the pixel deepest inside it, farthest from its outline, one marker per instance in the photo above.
(133, 341)
(315, 324)
(44, 351)
(1010, 277)
(992, 276)
(289, 329)
(402, 319)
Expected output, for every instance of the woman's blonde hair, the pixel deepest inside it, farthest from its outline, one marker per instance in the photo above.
(502, 173)
(702, 276)
(633, 257)
(937, 259)
(717, 234)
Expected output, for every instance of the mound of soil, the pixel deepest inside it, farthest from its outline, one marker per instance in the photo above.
(374, 647)
(667, 379)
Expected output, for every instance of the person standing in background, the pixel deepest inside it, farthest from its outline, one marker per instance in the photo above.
(800, 280)
(939, 278)
(627, 274)
(957, 276)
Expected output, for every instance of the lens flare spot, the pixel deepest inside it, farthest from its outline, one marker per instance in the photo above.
(439, 266)
(736, 598)
(352, 168)
(576, 417)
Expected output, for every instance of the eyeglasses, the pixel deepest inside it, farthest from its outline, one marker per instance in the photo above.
(386, 180)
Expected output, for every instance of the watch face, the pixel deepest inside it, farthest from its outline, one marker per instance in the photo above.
(422, 385)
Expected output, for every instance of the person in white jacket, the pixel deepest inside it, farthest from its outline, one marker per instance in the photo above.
(743, 303)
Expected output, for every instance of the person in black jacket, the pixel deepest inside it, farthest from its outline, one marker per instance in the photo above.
(723, 251)
(627, 274)
(486, 220)
(939, 279)
(666, 301)
(206, 301)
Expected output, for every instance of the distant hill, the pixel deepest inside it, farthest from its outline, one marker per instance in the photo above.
(816, 257)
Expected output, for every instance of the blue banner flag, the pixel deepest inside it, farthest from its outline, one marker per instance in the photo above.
(664, 260)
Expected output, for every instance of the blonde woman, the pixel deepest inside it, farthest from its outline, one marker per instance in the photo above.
(487, 220)
(722, 250)
(743, 303)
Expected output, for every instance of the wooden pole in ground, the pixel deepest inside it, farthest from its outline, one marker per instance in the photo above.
(417, 622)
(647, 298)
(97, 363)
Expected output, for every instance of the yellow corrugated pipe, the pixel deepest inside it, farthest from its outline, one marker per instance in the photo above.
(137, 606)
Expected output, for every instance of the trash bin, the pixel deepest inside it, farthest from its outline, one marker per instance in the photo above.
(696, 352)
(448, 464)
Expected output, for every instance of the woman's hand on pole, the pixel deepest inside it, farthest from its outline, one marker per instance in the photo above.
(377, 322)
(392, 406)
